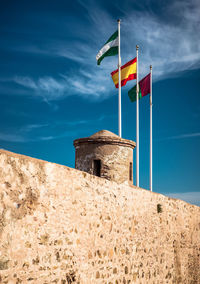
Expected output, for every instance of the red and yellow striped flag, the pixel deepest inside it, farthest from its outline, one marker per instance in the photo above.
(128, 72)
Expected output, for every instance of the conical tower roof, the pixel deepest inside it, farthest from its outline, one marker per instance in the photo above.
(103, 133)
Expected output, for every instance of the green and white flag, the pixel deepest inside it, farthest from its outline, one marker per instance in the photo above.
(110, 48)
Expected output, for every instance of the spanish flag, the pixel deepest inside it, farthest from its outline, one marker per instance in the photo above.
(128, 72)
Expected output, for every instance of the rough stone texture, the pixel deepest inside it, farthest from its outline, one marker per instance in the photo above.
(115, 154)
(60, 225)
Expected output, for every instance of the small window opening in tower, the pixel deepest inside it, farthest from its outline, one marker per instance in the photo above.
(97, 168)
(131, 171)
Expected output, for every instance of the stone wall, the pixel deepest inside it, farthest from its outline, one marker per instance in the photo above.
(60, 225)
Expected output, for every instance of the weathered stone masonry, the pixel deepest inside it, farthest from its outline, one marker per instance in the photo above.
(113, 156)
(61, 225)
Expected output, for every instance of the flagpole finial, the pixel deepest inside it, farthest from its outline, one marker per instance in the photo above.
(137, 47)
(118, 20)
(150, 67)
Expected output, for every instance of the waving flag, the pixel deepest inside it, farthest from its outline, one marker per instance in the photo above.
(128, 72)
(110, 48)
(144, 89)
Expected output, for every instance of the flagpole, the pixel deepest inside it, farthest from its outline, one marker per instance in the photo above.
(119, 87)
(137, 122)
(150, 158)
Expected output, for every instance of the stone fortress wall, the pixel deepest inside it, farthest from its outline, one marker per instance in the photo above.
(61, 225)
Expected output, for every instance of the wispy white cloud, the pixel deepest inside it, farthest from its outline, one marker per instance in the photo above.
(22, 138)
(81, 83)
(69, 133)
(181, 136)
(30, 127)
(76, 51)
(25, 81)
(46, 87)
(27, 132)
(171, 45)
(190, 197)
(12, 138)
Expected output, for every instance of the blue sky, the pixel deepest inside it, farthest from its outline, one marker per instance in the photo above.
(52, 90)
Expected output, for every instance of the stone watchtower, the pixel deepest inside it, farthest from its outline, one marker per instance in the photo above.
(106, 155)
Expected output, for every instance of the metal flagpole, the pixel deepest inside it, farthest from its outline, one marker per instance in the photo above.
(150, 158)
(137, 123)
(119, 87)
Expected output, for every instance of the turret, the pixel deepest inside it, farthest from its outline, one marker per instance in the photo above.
(106, 155)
